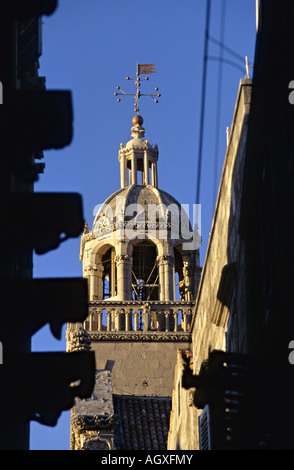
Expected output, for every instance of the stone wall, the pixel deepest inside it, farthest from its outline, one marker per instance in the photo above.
(220, 300)
(141, 368)
(93, 421)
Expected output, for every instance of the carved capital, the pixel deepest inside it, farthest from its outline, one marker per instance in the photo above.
(122, 259)
(165, 259)
(78, 340)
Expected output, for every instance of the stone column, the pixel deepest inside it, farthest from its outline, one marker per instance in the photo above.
(117, 320)
(108, 320)
(146, 168)
(176, 314)
(99, 320)
(123, 265)
(134, 169)
(146, 317)
(99, 286)
(154, 174)
(171, 277)
(167, 325)
(123, 172)
(94, 276)
(92, 284)
(154, 319)
(166, 277)
(128, 321)
(185, 321)
(161, 276)
(136, 319)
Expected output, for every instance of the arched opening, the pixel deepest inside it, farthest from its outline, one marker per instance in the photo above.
(179, 277)
(145, 281)
(109, 277)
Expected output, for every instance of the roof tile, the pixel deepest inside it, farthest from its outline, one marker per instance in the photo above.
(144, 421)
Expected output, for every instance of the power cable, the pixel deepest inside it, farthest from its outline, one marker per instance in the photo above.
(203, 96)
(218, 107)
(222, 60)
(226, 48)
(230, 62)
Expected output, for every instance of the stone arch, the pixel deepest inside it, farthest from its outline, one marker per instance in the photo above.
(145, 276)
(104, 282)
(159, 245)
(109, 274)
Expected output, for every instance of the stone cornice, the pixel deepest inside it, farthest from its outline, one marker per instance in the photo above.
(141, 336)
(141, 147)
(143, 227)
(135, 303)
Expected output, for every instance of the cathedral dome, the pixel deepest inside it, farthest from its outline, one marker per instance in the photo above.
(140, 204)
(140, 209)
(136, 194)
(141, 245)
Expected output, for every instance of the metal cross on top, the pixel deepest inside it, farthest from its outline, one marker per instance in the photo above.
(142, 69)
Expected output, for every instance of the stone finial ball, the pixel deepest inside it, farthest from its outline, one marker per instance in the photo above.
(137, 120)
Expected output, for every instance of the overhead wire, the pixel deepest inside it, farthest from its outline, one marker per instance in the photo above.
(218, 107)
(203, 96)
(230, 62)
(224, 47)
(221, 59)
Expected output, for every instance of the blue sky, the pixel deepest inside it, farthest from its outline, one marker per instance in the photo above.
(89, 47)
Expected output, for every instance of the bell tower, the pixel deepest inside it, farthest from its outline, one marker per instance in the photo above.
(141, 259)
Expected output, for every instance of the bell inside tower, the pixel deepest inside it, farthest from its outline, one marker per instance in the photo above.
(145, 283)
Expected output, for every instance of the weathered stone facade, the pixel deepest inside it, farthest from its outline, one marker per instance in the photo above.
(93, 420)
(220, 300)
(141, 368)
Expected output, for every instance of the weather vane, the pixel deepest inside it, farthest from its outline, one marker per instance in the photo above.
(142, 69)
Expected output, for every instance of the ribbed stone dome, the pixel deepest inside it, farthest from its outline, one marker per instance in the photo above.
(140, 201)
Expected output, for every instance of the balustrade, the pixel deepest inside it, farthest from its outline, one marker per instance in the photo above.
(135, 316)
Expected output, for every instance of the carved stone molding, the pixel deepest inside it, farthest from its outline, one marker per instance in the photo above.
(93, 268)
(100, 442)
(86, 237)
(83, 423)
(93, 441)
(140, 336)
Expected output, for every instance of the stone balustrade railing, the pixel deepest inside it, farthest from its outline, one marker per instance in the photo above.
(117, 316)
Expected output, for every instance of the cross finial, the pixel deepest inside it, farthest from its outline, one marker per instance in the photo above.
(142, 69)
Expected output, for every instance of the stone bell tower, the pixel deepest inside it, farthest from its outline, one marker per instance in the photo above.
(141, 259)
